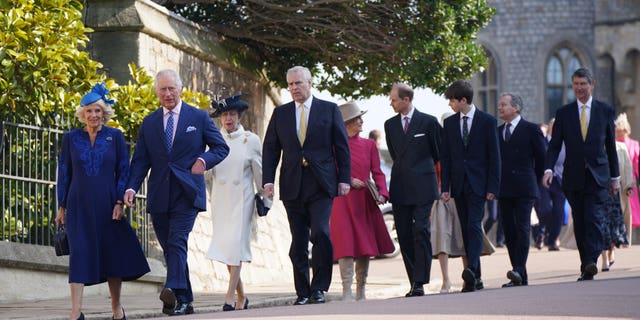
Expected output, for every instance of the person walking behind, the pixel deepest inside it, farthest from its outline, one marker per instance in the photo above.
(470, 174)
(358, 231)
(93, 167)
(630, 203)
(522, 149)
(177, 142)
(586, 129)
(413, 139)
(310, 137)
(236, 180)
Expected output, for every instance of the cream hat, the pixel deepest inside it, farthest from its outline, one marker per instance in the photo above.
(350, 110)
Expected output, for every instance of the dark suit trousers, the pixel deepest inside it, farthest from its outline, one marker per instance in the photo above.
(471, 211)
(414, 235)
(516, 220)
(309, 220)
(556, 218)
(587, 210)
(172, 229)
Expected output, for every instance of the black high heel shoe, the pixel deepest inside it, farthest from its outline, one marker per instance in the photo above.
(81, 317)
(228, 307)
(246, 303)
(124, 316)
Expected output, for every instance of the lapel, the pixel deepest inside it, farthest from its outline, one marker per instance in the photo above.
(183, 121)
(314, 116)
(574, 119)
(457, 129)
(289, 114)
(501, 129)
(156, 119)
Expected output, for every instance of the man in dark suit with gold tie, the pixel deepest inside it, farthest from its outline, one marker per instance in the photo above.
(309, 135)
(586, 127)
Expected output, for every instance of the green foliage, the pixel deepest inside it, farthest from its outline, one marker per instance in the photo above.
(356, 48)
(42, 66)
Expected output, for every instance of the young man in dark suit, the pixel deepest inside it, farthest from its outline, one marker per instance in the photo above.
(586, 127)
(522, 149)
(173, 142)
(309, 135)
(470, 171)
(413, 140)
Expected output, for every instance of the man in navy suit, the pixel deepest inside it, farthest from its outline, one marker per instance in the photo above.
(522, 150)
(172, 142)
(413, 139)
(309, 135)
(591, 168)
(470, 171)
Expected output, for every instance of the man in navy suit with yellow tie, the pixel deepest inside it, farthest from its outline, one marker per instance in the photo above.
(470, 171)
(310, 137)
(173, 142)
(586, 127)
(522, 150)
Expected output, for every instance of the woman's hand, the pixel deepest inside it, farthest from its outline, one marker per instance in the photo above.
(60, 216)
(357, 183)
(118, 211)
(381, 199)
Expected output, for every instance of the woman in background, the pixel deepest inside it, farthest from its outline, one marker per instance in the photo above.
(357, 227)
(92, 171)
(236, 180)
(631, 209)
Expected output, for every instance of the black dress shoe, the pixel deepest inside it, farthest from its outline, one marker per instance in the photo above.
(591, 269)
(554, 248)
(182, 308)
(479, 285)
(417, 290)
(513, 284)
(469, 280)
(168, 299)
(317, 297)
(584, 277)
(468, 288)
(515, 277)
(301, 301)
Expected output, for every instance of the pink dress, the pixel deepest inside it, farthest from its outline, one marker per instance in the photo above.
(357, 225)
(634, 153)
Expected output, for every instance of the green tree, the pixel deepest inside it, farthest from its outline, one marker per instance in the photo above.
(42, 65)
(357, 47)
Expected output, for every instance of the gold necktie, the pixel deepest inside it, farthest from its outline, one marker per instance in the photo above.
(302, 133)
(583, 122)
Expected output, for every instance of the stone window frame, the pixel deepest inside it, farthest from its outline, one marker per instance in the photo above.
(564, 59)
(486, 85)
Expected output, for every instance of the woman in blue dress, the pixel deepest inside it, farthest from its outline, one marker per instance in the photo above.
(92, 171)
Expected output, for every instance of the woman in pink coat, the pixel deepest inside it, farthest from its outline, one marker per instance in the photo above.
(632, 216)
(358, 231)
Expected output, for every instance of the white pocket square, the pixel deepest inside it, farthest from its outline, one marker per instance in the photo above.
(418, 135)
(191, 128)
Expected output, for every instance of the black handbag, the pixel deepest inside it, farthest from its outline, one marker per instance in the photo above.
(260, 207)
(60, 241)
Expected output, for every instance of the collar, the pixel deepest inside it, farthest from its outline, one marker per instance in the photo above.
(515, 121)
(588, 104)
(409, 114)
(175, 109)
(307, 103)
(469, 114)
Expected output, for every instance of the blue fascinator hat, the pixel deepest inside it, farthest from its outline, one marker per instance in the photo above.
(99, 91)
(228, 104)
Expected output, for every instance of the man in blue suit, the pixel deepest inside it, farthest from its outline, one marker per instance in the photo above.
(470, 171)
(310, 137)
(591, 168)
(523, 151)
(413, 139)
(173, 142)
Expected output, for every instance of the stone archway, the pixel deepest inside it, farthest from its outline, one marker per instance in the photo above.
(628, 89)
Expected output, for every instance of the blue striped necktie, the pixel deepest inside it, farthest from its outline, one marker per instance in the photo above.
(168, 131)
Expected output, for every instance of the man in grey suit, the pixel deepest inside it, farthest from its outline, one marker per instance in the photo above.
(413, 139)
(310, 137)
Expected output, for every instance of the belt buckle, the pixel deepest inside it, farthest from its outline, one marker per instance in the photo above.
(305, 163)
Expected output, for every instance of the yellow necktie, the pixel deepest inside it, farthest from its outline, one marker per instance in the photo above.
(302, 133)
(583, 122)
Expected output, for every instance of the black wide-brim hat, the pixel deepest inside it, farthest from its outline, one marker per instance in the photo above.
(228, 104)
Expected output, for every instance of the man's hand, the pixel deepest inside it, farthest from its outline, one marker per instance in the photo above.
(614, 187)
(445, 196)
(547, 179)
(268, 190)
(198, 167)
(490, 196)
(129, 198)
(118, 212)
(343, 189)
(61, 215)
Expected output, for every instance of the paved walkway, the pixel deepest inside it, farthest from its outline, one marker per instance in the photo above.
(386, 280)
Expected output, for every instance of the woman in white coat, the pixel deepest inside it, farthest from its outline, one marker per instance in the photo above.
(236, 180)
